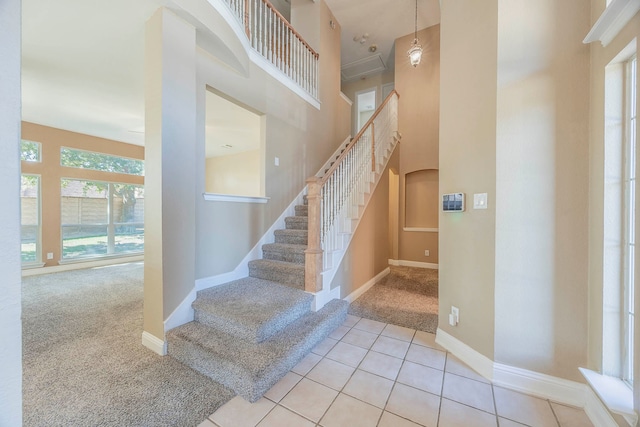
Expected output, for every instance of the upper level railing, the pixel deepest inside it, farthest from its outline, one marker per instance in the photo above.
(338, 193)
(276, 40)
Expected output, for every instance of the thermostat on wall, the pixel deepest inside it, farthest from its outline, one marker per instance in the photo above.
(453, 202)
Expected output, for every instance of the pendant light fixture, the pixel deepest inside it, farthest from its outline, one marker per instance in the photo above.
(415, 51)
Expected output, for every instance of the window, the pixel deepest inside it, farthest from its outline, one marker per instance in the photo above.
(629, 226)
(71, 157)
(29, 151)
(30, 218)
(100, 218)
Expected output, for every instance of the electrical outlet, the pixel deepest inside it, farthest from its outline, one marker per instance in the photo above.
(49, 255)
(426, 252)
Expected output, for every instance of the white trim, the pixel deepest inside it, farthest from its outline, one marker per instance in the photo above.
(614, 393)
(420, 229)
(30, 265)
(154, 343)
(79, 265)
(183, 313)
(533, 383)
(476, 361)
(403, 263)
(215, 197)
(364, 288)
(539, 385)
(346, 98)
(612, 20)
(596, 410)
(323, 297)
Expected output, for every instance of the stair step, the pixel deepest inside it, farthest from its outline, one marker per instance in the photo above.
(296, 222)
(251, 369)
(284, 252)
(251, 309)
(294, 237)
(286, 273)
(302, 210)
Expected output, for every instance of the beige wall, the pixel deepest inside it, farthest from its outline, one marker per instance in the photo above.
(300, 135)
(368, 253)
(600, 57)
(418, 111)
(238, 174)
(421, 199)
(468, 61)
(51, 172)
(542, 186)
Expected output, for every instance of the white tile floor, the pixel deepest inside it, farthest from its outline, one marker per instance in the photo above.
(369, 373)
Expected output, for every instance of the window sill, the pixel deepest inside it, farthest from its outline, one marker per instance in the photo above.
(214, 197)
(420, 229)
(30, 265)
(99, 258)
(614, 393)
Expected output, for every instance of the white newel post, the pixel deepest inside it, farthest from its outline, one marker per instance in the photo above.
(170, 140)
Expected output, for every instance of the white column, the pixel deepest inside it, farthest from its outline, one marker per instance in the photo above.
(10, 297)
(170, 138)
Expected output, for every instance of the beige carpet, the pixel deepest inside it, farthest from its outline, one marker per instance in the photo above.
(84, 364)
(406, 297)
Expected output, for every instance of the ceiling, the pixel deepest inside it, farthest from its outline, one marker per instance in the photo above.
(383, 21)
(83, 61)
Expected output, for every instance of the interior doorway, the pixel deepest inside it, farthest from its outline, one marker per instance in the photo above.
(365, 106)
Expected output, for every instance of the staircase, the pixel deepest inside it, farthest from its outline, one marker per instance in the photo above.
(247, 334)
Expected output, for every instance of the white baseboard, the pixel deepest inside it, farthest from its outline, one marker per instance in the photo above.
(539, 385)
(79, 265)
(364, 288)
(533, 383)
(403, 263)
(154, 343)
(183, 312)
(475, 360)
(323, 297)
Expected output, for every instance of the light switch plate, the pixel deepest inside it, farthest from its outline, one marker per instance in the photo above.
(480, 201)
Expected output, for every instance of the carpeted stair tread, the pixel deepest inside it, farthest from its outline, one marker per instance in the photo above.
(250, 308)
(250, 369)
(295, 237)
(296, 222)
(287, 273)
(284, 252)
(302, 210)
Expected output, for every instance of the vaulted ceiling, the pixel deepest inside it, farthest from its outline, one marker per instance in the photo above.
(83, 61)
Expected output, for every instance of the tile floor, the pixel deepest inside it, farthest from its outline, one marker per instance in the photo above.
(369, 373)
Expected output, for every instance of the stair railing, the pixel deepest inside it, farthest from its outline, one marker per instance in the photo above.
(343, 185)
(276, 40)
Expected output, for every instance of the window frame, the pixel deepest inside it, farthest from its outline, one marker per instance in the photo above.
(38, 258)
(628, 291)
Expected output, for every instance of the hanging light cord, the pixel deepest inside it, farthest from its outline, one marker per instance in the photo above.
(415, 33)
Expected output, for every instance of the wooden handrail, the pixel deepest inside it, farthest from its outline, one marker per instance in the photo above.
(284, 20)
(357, 137)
